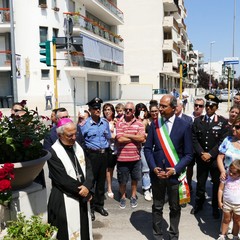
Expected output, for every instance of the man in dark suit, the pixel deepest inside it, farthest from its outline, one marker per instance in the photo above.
(208, 132)
(164, 177)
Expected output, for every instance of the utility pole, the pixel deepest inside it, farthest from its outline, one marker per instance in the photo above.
(181, 77)
(233, 50)
(55, 72)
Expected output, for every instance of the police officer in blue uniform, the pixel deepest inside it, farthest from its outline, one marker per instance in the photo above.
(96, 133)
(209, 131)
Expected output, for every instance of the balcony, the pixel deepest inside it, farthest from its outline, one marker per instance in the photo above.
(105, 10)
(5, 60)
(170, 5)
(170, 21)
(4, 20)
(77, 60)
(81, 22)
(170, 45)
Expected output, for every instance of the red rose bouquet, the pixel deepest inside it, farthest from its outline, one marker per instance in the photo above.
(6, 175)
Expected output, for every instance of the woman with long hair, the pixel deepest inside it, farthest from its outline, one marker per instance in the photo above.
(109, 115)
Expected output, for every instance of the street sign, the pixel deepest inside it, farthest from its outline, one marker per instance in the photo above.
(231, 60)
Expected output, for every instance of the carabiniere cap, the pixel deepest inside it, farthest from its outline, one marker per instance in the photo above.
(95, 103)
(211, 99)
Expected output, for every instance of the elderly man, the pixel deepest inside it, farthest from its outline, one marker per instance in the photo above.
(198, 108)
(168, 150)
(208, 132)
(52, 136)
(179, 112)
(72, 179)
(130, 134)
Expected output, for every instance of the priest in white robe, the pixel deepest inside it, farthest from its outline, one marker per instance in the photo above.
(72, 179)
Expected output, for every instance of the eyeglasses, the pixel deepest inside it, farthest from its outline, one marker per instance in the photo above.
(16, 110)
(237, 127)
(163, 106)
(128, 109)
(70, 135)
(211, 106)
(154, 111)
(198, 105)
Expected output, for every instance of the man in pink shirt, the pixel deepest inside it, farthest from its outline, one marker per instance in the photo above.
(130, 135)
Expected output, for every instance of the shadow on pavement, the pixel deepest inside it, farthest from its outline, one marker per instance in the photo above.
(142, 221)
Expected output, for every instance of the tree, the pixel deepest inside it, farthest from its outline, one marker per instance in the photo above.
(203, 79)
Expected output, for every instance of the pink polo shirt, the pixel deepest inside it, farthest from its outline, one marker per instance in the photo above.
(129, 152)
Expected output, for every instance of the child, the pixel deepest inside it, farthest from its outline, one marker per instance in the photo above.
(120, 111)
(229, 200)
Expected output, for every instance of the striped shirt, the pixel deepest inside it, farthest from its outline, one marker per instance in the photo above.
(129, 152)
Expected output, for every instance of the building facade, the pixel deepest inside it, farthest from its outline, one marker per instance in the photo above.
(89, 64)
(155, 42)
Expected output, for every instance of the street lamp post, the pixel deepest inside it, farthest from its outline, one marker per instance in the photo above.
(210, 69)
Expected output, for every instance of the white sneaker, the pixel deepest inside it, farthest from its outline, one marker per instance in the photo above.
(221, 237)
(147, 195)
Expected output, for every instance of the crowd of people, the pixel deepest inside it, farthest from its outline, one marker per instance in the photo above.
(156, 145)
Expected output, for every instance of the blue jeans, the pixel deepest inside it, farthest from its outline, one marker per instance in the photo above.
(48, 99)
(146, 182)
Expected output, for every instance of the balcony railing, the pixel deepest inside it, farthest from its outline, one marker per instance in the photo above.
(112, 7)
(77, 60)
(96, 28)
(5, 58)
(4, 15)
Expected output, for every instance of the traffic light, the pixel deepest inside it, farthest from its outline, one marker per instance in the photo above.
(45, 51)
(184, 70)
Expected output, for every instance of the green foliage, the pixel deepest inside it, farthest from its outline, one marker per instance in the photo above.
(20, 136)
(32, 229)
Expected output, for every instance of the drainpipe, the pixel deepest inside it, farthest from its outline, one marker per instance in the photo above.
(13, 57)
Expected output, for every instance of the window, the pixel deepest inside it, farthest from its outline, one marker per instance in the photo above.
(135, 79)
(42, 2)
(45, 74)
(54, 3)
(43, 31)
(55, 32)
(58, 74)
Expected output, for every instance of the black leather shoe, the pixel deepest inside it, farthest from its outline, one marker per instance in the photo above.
(216, 214)
(92, 215)
(101, 210)
(196, 209)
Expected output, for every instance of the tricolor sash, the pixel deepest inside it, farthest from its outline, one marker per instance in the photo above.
(172, 157)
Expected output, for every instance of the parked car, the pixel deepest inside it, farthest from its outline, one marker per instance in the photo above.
(223, 96)
(158, 93)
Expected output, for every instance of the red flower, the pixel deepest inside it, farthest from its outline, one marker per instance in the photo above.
(8, 168)
(23, 103)
(1, 114)
(5, 184)
(27, 142)
(3, 174)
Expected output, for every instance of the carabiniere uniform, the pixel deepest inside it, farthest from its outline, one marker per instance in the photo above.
(206, 138)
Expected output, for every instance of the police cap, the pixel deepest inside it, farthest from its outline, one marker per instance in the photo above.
(211, 99)
(95, 103)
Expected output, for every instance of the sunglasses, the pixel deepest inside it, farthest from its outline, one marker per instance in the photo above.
(237, 127)
(16, 110)
(198, 105)
(128, 109)
(211, 106)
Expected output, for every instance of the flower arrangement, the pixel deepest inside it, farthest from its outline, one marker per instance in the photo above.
(21, 136)
(6, 175)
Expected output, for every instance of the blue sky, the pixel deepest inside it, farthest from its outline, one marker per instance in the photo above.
(212, 20)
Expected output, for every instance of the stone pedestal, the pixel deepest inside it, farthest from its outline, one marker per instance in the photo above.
(31, 200)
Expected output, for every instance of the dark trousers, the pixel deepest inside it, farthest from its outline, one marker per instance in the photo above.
(203, 170)
(159, 188)
(99, 166)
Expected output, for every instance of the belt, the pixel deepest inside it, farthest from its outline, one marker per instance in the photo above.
(101, 150)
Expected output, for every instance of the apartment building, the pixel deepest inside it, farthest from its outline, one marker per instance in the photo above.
(89, 64)
(155, 42)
